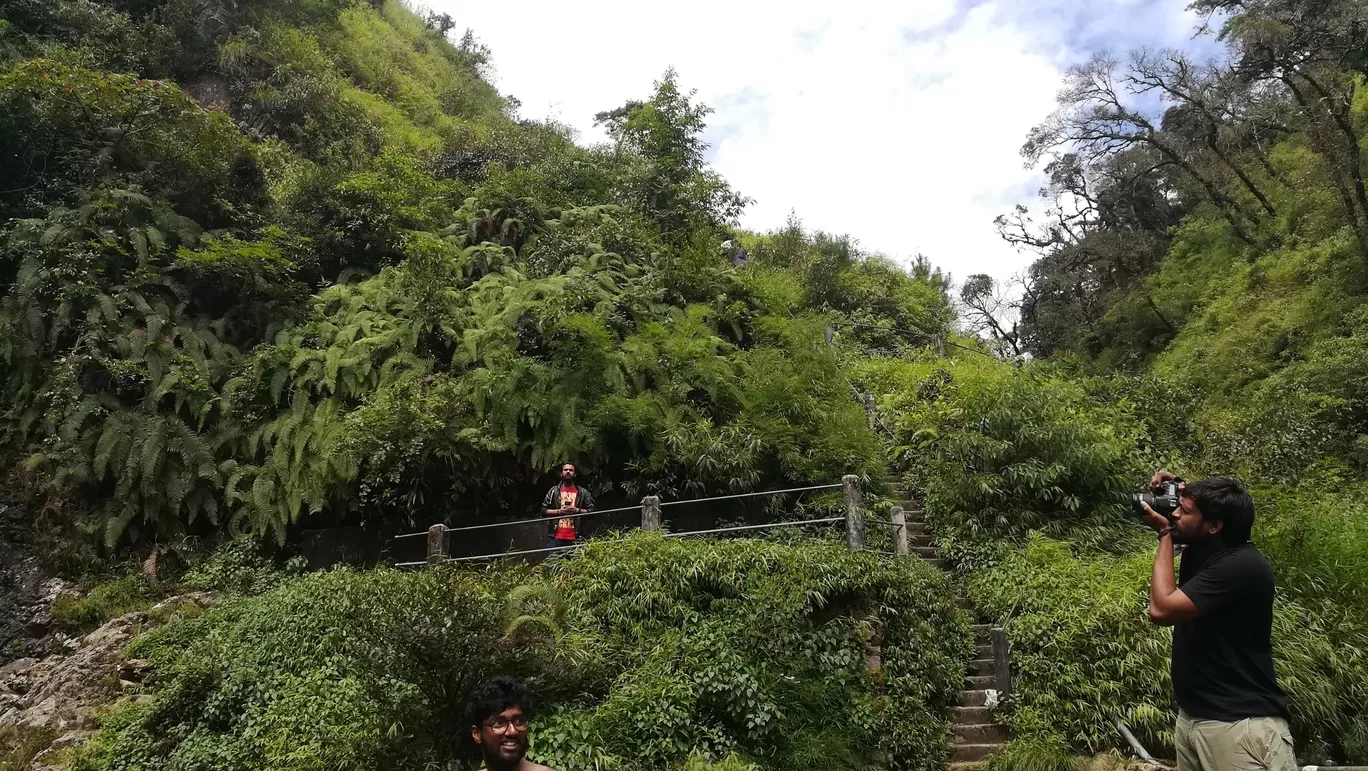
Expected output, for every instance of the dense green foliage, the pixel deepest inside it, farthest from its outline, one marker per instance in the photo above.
(1207, 223)
(1026, 473)
(295, 263)
(645, 653)
(318, 272)
(292, 263)
(1196, 303)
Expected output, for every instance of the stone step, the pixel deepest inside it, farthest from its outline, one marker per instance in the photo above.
(917, 528)
(936, 563)
(984, 650)
(979, 733)
(977, 682)
(973, 698)
(969, 715)
(981, 631)
(967, 753)
(983, 666)
(964, 602)
(925, 552)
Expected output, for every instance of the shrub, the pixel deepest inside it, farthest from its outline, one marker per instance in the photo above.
(19, 746)
(240, 566)
(1001, 452)
(66, 127)
(647, 653)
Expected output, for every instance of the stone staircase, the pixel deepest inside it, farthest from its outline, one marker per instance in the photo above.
(974, 734)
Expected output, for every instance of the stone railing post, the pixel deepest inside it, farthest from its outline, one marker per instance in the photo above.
(650, 513)
(436, 545)
(855, 524)
(899, 519)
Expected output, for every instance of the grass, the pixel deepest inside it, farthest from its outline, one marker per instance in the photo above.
(19, 746)
(103, 601)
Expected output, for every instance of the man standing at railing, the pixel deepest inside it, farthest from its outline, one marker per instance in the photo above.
(563, 501)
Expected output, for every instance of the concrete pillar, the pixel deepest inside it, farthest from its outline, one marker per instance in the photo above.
(650, 513)
(855, 524)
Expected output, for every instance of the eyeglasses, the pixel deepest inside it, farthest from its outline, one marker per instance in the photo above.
(501, 725)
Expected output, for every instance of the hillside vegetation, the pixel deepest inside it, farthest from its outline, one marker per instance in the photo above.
(650, 654)
(1196, 303)
(290, 264)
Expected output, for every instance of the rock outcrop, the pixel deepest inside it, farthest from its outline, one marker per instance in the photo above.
(61, 692)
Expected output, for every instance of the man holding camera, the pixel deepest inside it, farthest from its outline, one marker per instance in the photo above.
(1232, 716)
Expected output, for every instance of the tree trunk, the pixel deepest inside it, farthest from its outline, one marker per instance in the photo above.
(1220, 200)
(1149, 298)
(1248, 183)
(1345, 162)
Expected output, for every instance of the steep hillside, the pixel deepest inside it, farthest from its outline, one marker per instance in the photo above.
(1196, 303)
(298, 263)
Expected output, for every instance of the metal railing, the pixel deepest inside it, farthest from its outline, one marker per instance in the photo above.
(854, 518)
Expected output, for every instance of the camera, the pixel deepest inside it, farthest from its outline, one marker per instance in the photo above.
(1164, 501)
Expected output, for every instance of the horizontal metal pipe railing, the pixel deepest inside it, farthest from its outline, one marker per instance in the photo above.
(796, 523)
(536, 520)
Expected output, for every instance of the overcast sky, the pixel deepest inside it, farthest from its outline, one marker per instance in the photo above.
(898, 123)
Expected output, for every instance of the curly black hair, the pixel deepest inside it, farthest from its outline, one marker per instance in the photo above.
(495, 695)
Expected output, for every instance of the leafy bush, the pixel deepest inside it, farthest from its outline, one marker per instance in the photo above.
(648, 653)
(1001, 452)
(238, 567)
(1316, 536)
(68, 128)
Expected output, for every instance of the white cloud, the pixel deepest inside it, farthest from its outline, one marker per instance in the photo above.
(896, 123)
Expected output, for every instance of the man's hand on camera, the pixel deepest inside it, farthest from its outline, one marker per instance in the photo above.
(1156, 521)
(1160, 477)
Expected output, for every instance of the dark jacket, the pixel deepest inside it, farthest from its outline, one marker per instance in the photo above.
(552, 501)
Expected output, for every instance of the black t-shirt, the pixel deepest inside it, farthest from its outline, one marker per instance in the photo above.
(1223, 659)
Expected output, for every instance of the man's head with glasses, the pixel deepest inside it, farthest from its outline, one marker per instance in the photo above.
(497, 711)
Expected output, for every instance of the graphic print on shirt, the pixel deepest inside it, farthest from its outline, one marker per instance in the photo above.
(565, 528)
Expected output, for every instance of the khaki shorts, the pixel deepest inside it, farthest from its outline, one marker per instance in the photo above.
(1252, 744)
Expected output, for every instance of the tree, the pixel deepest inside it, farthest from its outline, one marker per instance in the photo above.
(990, 308)
(1097, 119)
(1212, 114)
(660, 145)
(441, 23)
(1106, 227)
(1314, 51)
